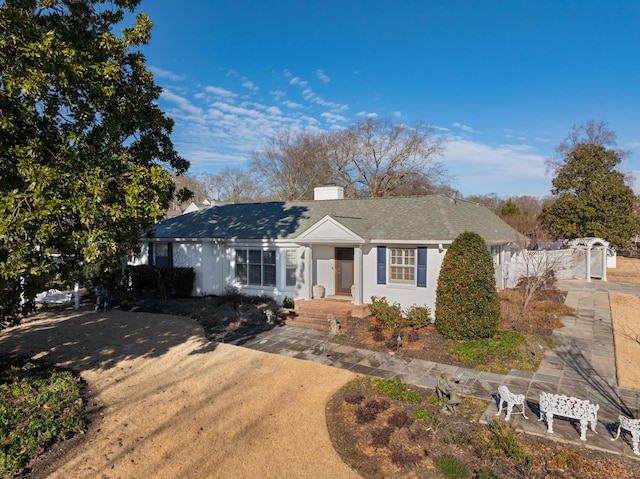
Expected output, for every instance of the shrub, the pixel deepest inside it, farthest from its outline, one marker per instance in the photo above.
(467, 303)
(162, 281)
(388, 315)
(353, 397)
(391, 316)
(370, 410)
(288, 303)
(418, 316)
(452, 468)
(378, 336)
(381, 436)
(399, 419)
(403, 457)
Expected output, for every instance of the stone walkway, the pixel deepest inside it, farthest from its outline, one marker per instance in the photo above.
(583, 366)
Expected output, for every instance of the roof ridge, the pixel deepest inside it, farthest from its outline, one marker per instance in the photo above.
(443, 214)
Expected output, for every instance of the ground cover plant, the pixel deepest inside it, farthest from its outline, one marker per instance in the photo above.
(39, 406)
(384, 428)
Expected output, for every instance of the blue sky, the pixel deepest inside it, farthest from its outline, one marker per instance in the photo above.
(503, 81)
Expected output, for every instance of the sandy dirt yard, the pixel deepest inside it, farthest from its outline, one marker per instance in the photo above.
(626, 323)
(167, 403)
(164, 402)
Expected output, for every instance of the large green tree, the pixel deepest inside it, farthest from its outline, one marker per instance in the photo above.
(592, 197)
(84, 149)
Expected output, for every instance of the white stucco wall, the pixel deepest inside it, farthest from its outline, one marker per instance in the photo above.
(398, 293)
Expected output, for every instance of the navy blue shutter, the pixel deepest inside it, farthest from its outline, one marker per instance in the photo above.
(382, 265)
(170, 254)
(150, 260)
(422, 267)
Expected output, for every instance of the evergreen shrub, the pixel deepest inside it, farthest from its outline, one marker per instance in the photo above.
(467, 302)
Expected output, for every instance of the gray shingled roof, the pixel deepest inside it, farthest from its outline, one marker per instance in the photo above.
(424, 218)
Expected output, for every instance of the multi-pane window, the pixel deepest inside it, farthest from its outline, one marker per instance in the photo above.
(402, 265)
(290, 267)
(162, 254)
(256, 267)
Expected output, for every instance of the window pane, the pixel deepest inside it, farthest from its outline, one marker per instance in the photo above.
(255, 275)
(255, 256)
(269, 257)
(241, 256)
(241, 273)
(291, 263)
(402, 265)
(269, 275)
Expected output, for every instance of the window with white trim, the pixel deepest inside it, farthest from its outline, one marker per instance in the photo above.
(256, 267)
(495, 254)
(402, 265)
(291, 264)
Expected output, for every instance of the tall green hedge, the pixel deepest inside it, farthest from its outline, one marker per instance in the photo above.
(467, 303)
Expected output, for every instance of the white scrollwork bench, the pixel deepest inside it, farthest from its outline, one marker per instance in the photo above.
(511, 399)
(633, 426)
(565, 406)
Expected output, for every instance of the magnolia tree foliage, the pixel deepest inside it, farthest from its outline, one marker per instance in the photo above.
(592, 198)
(84, 148)
(467, 303)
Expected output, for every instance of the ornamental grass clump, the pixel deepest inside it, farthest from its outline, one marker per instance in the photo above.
(467, 302)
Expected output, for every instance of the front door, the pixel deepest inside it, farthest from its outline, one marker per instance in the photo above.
(344, 270)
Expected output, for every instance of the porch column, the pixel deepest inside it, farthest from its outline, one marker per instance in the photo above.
(357, 275)
(308, 272)
(588, 264)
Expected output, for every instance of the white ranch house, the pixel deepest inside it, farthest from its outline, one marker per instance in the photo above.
(354, 248)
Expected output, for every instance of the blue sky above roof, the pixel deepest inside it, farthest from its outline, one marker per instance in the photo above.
(503, 81)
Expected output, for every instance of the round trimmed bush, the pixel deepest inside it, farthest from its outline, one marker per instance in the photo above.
(467, 303)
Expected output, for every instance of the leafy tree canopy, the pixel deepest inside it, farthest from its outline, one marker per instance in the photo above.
(83, 145)
(592, 196)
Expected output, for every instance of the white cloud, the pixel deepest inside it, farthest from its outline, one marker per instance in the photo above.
(397, 114)
(185, 107)
(466, 128)
(322, 76)
(479, 168)
(294, 81)
(249, 84)
(277, 94)
(291, 104)
(160, 73)
(220, 92)
(332, 118)
(274, 110)
(367, 114)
